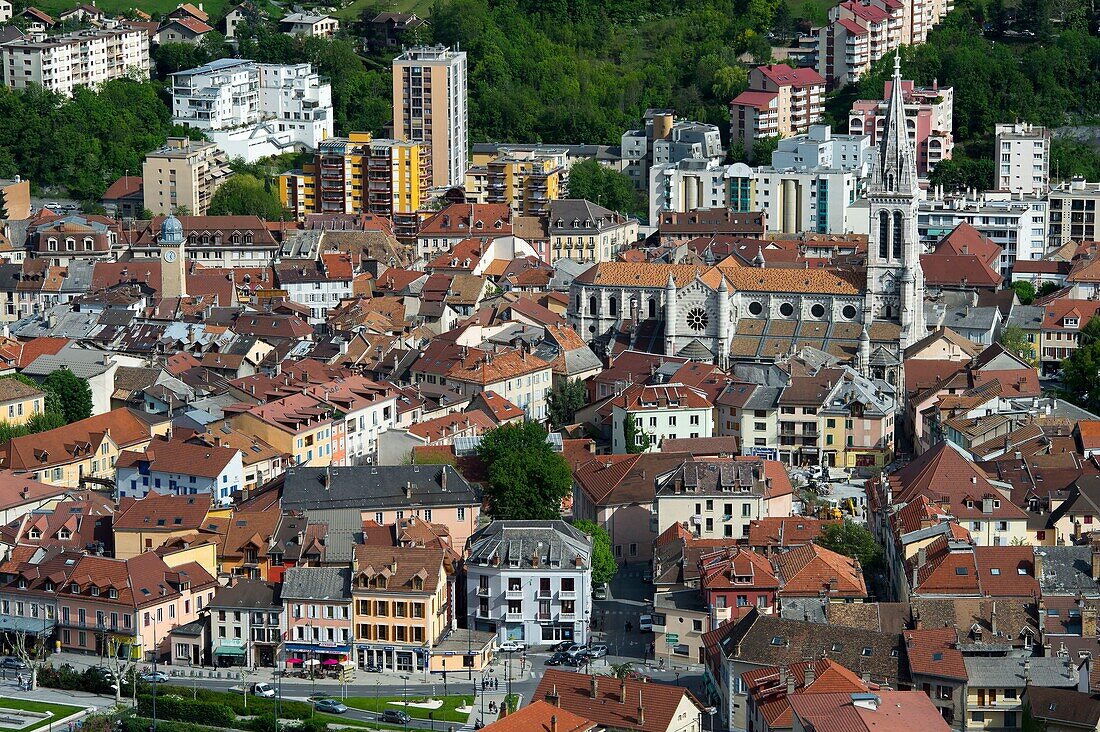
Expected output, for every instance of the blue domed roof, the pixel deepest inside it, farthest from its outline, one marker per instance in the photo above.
(171, 229)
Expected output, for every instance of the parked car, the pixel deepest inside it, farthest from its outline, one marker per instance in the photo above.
(154, 677)
(329, 705)
(13, 663)
(512, 646)
(561, 647)
(600, 592)
(557, 659)
(645, 623)
(395, 716)
(597, 651)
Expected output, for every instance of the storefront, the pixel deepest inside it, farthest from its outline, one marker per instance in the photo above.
(230, 652)
(317, 659)
(392, 657)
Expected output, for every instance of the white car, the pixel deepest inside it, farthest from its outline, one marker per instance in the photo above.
(158, 677)
(645, 623)
(512, 646)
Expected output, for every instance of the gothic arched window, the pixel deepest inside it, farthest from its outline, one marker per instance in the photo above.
(883, 234)
(612, 307)
(592, 305)
(897, 234)
(653, 307)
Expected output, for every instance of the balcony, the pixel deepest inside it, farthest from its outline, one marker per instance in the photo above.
(567, 595)
(544, 617)
(513, 617)
(544, 594)
(483, 614)
(513, 594)
(567, 617)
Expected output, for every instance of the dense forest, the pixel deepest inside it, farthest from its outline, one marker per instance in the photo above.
(570, 71)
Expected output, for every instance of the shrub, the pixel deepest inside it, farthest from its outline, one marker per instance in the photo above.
(173, 706)
(142, 724)
(236, 702)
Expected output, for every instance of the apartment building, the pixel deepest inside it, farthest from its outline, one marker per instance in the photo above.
(526, 180)
(530, 581)
(319, 284)
(309, 24)
(181, 468)
(183, 176)
(401, 604)
(719, 499)
(246, 624)
(819, 200)
(252, 110)
(1022, 158)
(299, 425)
(665, 140)
(19, 402)
(368, 409)
(698, 183)
(1073, 208)
(5, 11)
(16, 194)
(430, 105)
(858, 34)
(780, 101)
(928, 113)
(362, 174)
(81, 58)
(457, 222)
(660, 412)
(1016, 224)
(317, 602)
(586, 232)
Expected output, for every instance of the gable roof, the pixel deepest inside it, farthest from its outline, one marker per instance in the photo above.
(615, 703)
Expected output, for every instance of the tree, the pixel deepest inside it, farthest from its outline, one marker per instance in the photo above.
(31, 649)
(243, 194)
(564, 400)
(605, 187)
(1047, 288)
(729, 81)
(526, 478)
(622, 670)
(852, 540)
(121, 664)
(1081, 371)
(604, 565)
(1015, 341)
(635, 439)
(181, 210)
(73, 392)
(762, 149)
(3, 205)
(1024, 290)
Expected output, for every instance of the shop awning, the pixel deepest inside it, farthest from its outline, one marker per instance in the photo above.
(223, 650)
(30, 626)
(318, 648)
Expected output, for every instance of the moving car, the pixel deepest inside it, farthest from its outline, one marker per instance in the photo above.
(512, 646)
(329, 705)
(154, 677)
(395, 716)
(600, 592)
(597, 651)
(561, 647)
(557, 659)
(13, 662)
(645, 623)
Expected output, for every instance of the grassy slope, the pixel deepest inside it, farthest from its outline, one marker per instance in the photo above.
(352, 11)
(59, 710)
(156, 8)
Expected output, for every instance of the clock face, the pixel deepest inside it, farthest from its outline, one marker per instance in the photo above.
(169, 256)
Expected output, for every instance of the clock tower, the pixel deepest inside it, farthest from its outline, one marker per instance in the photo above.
(173, 267)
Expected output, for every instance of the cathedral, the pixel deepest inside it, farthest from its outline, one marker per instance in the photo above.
(730, 312)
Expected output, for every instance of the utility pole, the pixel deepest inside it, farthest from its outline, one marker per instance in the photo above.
(154, 673)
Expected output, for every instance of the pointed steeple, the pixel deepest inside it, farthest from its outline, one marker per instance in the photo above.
(895, 169)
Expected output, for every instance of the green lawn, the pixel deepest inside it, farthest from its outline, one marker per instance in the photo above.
(423, 8)
(155, 8)
(446, 713)
(60, 711)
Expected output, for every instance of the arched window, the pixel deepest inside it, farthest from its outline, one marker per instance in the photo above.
(592, 305)
(612, 306)
(652, 307)
(897, 234)
(883, 234)
(578, 303)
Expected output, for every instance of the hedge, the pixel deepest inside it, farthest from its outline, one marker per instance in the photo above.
(173, 706)
(257, 705)
(142, 724)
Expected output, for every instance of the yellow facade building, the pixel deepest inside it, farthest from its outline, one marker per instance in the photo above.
(361, 174)
(526, 180)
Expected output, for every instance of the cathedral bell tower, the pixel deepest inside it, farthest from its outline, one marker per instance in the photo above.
(895, 281)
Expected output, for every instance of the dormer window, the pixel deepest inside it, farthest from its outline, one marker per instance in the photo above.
(35, 534)
(95, 591)
(418, 583)
(21, 584)
(74, 588)
(64, 535)
(112, 593)
(1069, 322)
(49, 587)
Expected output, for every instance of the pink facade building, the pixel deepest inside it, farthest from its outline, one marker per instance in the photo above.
(928, 118)
(779, 101)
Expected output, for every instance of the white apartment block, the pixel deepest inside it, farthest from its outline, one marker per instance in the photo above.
(252, 110)
(429, 105)
(818, 200)
(820, 148)
(665, 140)
(82, 58)
(1016, 224)
(5, 11)
(1023, 158)
(310, 24)
(692, 184)
(1073, 207)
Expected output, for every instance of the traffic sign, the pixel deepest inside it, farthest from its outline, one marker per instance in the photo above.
(672, 638)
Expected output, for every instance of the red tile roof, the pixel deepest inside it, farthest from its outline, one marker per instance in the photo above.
(783, 75)
(176, 456)
(72, 442)
(125, 186)
(785, 531)
(810, 571)
(755, 99)
(892, 710)
(615, 703)
(933, 652)
(164, 513)
(958, 270)
(541, 716)
(965, 239)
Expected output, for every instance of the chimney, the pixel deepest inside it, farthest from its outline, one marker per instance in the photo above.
(622, 685)
(811, 675)
(1096, 559)
(790, 683)
(552, 696)
(553, 722)
(595, 686)
(1088, 622)
(641, 710)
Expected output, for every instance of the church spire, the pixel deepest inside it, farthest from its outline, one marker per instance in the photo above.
(895, 166)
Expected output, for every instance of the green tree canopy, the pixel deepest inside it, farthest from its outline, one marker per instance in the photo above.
(606, 187)
(1014, 339)
(1024, 290)
(243, 194)
(72, 391)
(604, 565)
(527, 479)
(1046, 288)
(1081, 371)
(564, 400)
(852, 540)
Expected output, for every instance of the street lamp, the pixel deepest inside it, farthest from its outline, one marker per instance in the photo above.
(405, 698)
